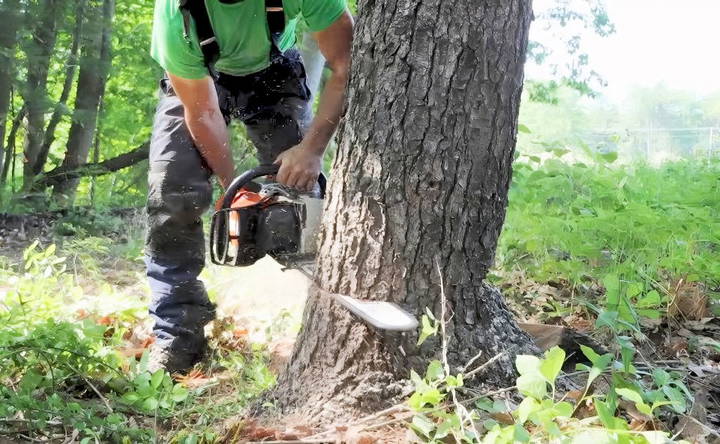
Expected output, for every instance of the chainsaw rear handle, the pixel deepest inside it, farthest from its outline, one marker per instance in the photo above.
(248, 176)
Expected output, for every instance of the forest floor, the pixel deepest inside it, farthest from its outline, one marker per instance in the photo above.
(74, 297)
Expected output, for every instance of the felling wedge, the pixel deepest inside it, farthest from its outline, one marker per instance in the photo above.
(255, 220)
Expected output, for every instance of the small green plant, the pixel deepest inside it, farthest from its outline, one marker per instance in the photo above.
(543, 414)
(152, 393)
(541, 418)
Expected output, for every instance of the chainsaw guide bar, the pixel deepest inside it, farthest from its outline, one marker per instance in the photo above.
(378, 314)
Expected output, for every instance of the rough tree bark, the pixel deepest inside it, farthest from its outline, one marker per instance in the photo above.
(10, 18)
(43, 20)
(94, 68)
(420, 182)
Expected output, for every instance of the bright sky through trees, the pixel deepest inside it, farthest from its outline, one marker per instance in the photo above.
(670, 41)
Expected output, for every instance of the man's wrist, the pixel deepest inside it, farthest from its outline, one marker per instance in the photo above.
(313, 146)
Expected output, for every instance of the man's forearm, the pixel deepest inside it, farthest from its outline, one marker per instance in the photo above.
(328, 116)
(210, 135)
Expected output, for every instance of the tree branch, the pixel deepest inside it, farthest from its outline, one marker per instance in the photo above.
(63, 173)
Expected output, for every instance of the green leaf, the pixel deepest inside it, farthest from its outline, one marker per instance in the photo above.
(485, 404)
(489, 424)
(630, 395)
(676, 398)
(611, 282)
(157, 378)
(627, 352)
(432, 397)
(179, 393)
(605, 413)
(454, 381)
(650, 300)
(524, 129)
(590, 353)
(130, 397)
(564, 409)
(443, 430)
(609, 157)
(520, 434)
(416, 379)
(429, 328)
(552, 364)
(434, 371)
(150, 404)
(142, 380)
(533, 385)
(661, 377)
(527, 364)
(423, 425)
(527, 407)
(607, 319)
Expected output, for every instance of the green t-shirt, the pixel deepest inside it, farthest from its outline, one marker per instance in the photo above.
(241, 30)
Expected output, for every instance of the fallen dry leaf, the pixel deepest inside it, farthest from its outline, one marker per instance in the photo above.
(240, 332)
(81, 314)
(689, 302)
(106, 320)
(503, 418)
(194, 379)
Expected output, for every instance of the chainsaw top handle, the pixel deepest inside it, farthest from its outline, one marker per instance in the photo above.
(246, 178)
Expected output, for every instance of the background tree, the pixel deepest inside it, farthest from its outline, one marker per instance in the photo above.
(418, 194)
(61, 66)
(9, 16)
(94, 67)
(43, 19)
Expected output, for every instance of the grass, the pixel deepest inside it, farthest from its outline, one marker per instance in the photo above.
(597, 221)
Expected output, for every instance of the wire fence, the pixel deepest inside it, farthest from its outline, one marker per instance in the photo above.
(658, 144)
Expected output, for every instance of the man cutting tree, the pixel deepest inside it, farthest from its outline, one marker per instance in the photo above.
(227, 59)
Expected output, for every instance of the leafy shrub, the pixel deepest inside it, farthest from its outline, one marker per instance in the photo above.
(634, 226)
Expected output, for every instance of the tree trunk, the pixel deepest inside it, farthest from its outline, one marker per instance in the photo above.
(10, 18)
(419, 184)
(39, 50)
(94, 68)
(10, 147)
(61, 105)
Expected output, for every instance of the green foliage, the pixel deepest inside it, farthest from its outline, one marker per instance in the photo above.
(429, 327)
(432, 422)
(53, 366)
(151, 392)
(60, 373)
(632, 228)
(569, 24)
(539, 417)
(49, 368)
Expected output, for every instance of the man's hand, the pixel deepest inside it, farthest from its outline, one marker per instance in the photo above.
(299, 167)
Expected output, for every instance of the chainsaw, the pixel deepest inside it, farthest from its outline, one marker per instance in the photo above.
(255, 220)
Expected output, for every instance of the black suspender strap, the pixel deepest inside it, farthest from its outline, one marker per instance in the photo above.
(208, 43)
(206, 35)
(275, 16)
